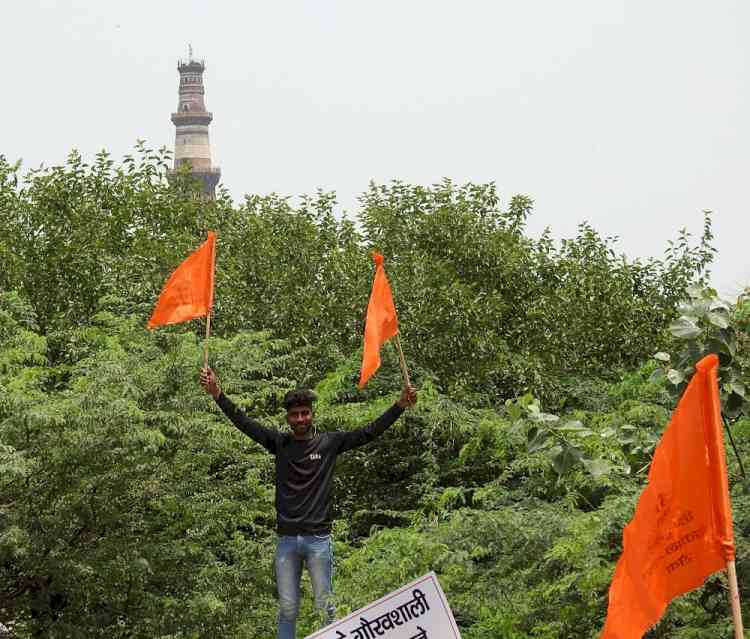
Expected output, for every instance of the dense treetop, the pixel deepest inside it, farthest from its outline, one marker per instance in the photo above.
(484, 307)
(129, 507)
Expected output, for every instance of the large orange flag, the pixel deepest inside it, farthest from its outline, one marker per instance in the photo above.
(381, 323)
(189, 291)
(681, 532)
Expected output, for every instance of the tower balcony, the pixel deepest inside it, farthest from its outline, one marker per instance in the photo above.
(207, 170)
(182, 118)
(195, 66)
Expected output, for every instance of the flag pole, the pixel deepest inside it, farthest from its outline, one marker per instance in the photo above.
(210, 308)
(402, 361)
(734, 599)
(205, 342)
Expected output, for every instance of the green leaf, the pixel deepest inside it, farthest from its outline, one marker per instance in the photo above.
(539, 441)
(675, 376)
(727, 337)
(718, 319)
(733, 405)
(568, 457)
(684, 328)
(718, 303)
(572, 426)
(738, 388)
(575, 427)
(662, 357)
(597, 467)
(696, 291)
(513, 410)
(698, 309)
(657, 375)
(722, 349)
(535, 415)
(548, 417)
(628, 434)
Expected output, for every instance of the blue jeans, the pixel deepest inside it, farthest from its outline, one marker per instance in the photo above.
(316, 551)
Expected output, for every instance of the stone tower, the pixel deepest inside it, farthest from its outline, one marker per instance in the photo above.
(191, 121)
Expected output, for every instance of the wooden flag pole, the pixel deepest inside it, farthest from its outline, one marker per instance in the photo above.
(210, 308)
(205, 343)
(404, 372)
(734, 599)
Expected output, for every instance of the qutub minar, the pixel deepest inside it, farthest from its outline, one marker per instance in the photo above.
(191, 145)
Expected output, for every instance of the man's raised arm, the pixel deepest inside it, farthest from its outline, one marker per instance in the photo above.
(375, 429)
(264, 436)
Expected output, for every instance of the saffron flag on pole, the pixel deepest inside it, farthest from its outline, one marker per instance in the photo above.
(381, 323)
(189, 291)
(681, 531)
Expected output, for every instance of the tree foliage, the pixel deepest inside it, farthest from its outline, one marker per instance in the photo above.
(487, 309)
(129, 507)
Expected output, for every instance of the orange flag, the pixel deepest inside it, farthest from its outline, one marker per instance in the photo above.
(381, 323)
(189, 291)
(681, 532)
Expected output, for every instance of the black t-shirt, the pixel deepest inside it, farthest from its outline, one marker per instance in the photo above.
(304, 469)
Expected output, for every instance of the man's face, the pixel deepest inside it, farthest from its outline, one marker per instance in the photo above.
(300, 419)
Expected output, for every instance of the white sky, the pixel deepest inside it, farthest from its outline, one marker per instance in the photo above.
(631, 114)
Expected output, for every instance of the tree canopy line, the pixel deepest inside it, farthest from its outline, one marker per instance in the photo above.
(129, 508)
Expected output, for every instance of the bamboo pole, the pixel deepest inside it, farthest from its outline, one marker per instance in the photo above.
(734, 600)
(404, 372)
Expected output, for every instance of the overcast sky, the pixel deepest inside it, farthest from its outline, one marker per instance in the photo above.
(631, 114)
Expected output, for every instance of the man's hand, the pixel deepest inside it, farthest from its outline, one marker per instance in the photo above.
(408, 397)
(210, 382)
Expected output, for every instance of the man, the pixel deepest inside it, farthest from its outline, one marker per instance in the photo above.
(304, 480)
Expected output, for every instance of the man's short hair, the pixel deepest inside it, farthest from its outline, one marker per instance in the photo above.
(299, 397)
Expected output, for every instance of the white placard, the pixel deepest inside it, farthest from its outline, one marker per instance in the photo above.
(418, 610)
